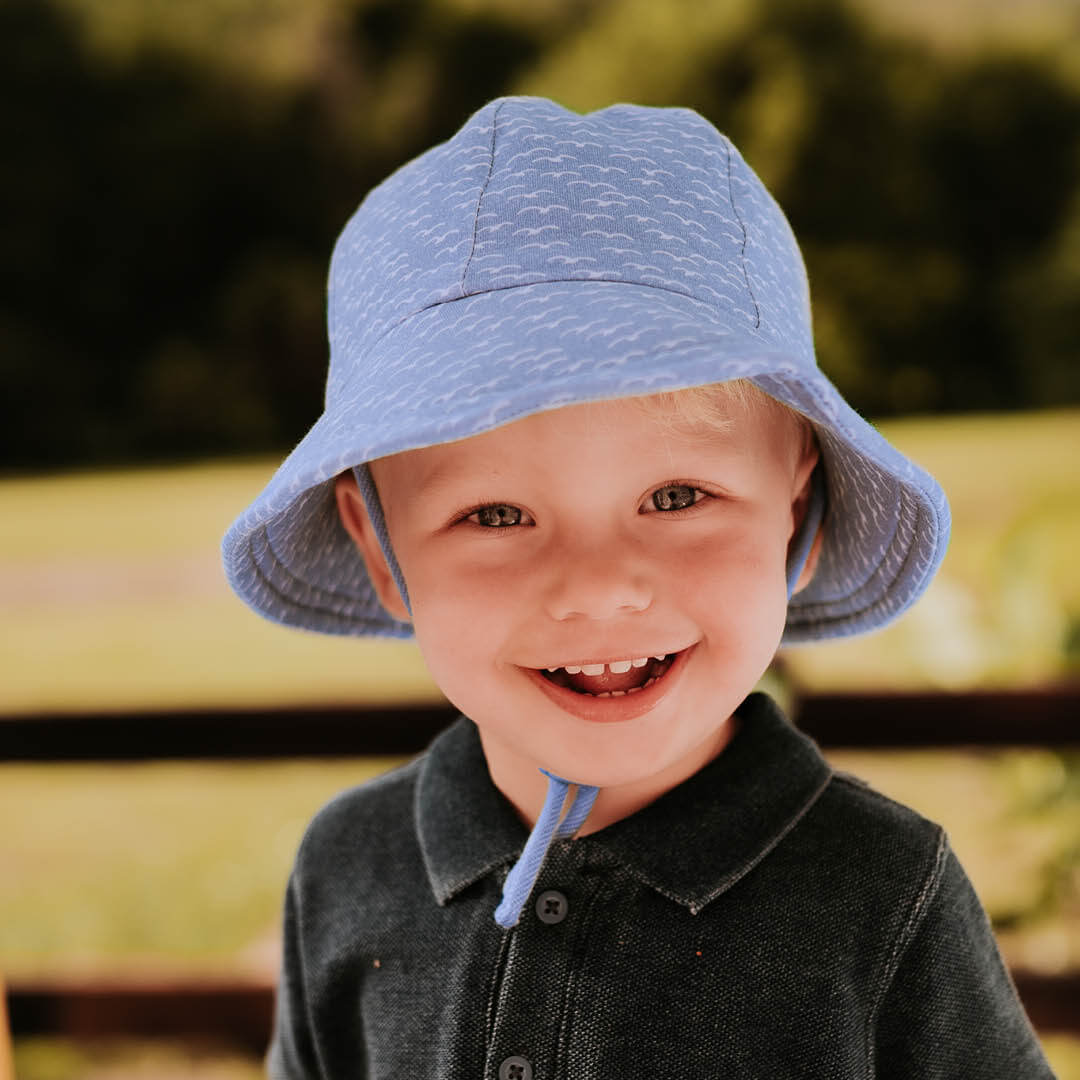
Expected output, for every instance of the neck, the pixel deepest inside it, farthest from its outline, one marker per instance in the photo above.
(525, 787)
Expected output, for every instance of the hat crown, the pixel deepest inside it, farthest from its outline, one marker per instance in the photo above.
(528, 192)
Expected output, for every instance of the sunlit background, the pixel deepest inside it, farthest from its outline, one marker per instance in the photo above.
(174, 176)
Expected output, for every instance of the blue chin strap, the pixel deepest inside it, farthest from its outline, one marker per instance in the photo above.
(808, 530)
(366, 485)
(552, 823)
(523, 874)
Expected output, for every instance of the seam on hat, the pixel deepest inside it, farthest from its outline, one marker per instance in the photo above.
(531, 285)
(480, 200)
(742, 225)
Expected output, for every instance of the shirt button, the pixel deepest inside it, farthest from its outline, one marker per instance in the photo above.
(515, 1068)
(551, 906)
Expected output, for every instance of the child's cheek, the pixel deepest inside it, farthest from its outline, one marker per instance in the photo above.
(737, 589)
(461, 617)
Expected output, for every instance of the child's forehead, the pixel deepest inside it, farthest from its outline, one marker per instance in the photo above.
(645, 428)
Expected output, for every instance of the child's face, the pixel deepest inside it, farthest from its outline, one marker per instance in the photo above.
(594, 534)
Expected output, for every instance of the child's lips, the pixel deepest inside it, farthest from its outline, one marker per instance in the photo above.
(624, 705)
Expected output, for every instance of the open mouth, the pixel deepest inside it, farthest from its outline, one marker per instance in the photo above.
(613, 679)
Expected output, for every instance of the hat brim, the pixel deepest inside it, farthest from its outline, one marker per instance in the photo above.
(555, 344)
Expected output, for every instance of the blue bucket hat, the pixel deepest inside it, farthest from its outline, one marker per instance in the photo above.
(542, 258)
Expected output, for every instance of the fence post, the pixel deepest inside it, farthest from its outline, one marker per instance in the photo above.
(7, 1058)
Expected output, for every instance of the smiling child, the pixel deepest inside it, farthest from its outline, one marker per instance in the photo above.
(576, 442)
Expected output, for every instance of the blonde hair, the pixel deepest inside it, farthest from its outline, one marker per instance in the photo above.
(710, 407)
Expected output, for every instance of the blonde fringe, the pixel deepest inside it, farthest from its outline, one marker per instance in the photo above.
(711, 406)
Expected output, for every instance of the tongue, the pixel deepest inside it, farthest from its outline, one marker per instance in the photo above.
(599, 684)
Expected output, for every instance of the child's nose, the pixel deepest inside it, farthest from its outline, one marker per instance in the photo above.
(598, 583)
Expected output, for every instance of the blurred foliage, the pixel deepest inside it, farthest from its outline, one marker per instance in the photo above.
(177, 174)
(1004, 610)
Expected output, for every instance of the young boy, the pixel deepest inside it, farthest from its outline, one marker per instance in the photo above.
(576, 441)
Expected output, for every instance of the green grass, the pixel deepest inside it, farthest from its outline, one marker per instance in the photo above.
(112, 596)
(174, 867)
(127, 1059)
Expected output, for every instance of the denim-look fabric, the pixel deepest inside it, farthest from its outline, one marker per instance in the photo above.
(767, 918)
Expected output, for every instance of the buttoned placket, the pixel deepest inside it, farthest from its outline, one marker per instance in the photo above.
(531, 999)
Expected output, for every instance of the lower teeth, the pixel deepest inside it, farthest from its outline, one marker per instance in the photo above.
(621, 693)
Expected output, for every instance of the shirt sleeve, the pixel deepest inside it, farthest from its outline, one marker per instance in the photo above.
(950, 1009)
(292, 1053)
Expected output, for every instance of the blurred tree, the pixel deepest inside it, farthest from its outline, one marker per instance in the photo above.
(141, 189)
(176, 185)
(929, 191)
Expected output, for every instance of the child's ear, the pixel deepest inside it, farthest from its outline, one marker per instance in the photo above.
(354, 518)
(798, 512)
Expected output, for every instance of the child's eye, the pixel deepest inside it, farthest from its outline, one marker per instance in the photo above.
(497, 516)
(676, 497)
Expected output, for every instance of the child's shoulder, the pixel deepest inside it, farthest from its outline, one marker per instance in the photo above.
(875, 835)
(860, 798)
(374, 814)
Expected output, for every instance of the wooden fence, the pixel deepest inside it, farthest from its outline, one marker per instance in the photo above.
(238, 1014)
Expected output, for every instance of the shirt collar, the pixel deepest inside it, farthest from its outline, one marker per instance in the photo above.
(465, 825)
(690, 845)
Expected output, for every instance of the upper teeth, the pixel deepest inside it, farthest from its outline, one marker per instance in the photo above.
(616, 667)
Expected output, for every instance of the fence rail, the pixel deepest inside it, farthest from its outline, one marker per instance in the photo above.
(1030, 717)
(238, 1014)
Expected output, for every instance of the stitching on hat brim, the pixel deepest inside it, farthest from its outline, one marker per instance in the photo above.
(852, 621)
(334, 620)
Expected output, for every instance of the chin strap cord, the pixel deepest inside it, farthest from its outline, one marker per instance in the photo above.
(366, 484)
(523, 874)
(815, 513)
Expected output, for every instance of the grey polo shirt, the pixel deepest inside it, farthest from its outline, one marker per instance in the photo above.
(767, 918)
